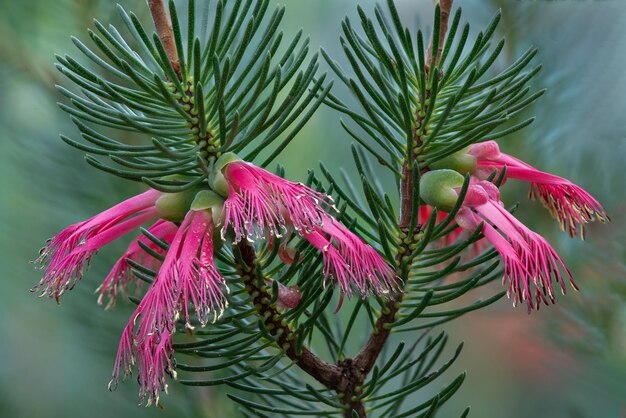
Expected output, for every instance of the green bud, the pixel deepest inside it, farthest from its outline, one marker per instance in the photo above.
(460, 161)
(210, 201)
(174, 206)
(217, 180)
(437, 188)
(206, 199)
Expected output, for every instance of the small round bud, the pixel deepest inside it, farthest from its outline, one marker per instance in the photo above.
(288, 297)
(438, 188)
(174, 206)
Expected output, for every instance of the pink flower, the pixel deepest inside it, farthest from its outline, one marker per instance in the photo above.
(187, 276)
(120, 276)
(350, 261)
(257, 200)
(198, 278)
(530, 263)
(567, 202)
(67, 253)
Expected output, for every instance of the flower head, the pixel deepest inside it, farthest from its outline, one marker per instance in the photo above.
(531, 265)
(188, 276)
(567, 202)
(350, 261)
(68, 252)
(257, 200)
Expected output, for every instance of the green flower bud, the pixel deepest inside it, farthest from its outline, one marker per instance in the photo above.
(208, 200)
(217, 180)
(437, 188)
(460, 161)
(174, 206)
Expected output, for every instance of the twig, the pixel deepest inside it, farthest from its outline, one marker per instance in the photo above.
(163, 26)
(370, 352)
(445, 6)
(345, 377)
(327, 374)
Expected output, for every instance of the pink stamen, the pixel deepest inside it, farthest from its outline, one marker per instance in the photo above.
(187, 275)
(62, 273)
(198, 278)
(350, 261)
(530, 263)
(258, 198)
(69, 251)
(570, 204)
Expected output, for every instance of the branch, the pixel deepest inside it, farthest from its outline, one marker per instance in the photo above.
(370, 352)
(346, 377)
(327, 374)
(163, 26)
(445, 6)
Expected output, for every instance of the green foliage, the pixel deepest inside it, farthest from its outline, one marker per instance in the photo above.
(239, 88)
(403, 97)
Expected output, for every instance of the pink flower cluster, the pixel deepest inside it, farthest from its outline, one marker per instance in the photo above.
(187, 279)
(67, 253)
(531, 265)
(260, 201)
(187, 276)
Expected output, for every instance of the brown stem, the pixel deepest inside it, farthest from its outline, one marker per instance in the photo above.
(327, 374)
(370, 352)
(163, 26)
(345, 378)
(330, 375)
(445, 6)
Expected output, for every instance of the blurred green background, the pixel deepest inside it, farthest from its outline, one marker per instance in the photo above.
(568, 360)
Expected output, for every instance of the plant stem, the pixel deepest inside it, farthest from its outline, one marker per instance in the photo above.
(445, 6)
(327, 374)
(370, 352)
(163, 26)
(345, 377)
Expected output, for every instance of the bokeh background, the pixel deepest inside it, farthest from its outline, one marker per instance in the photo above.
(568, 360)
